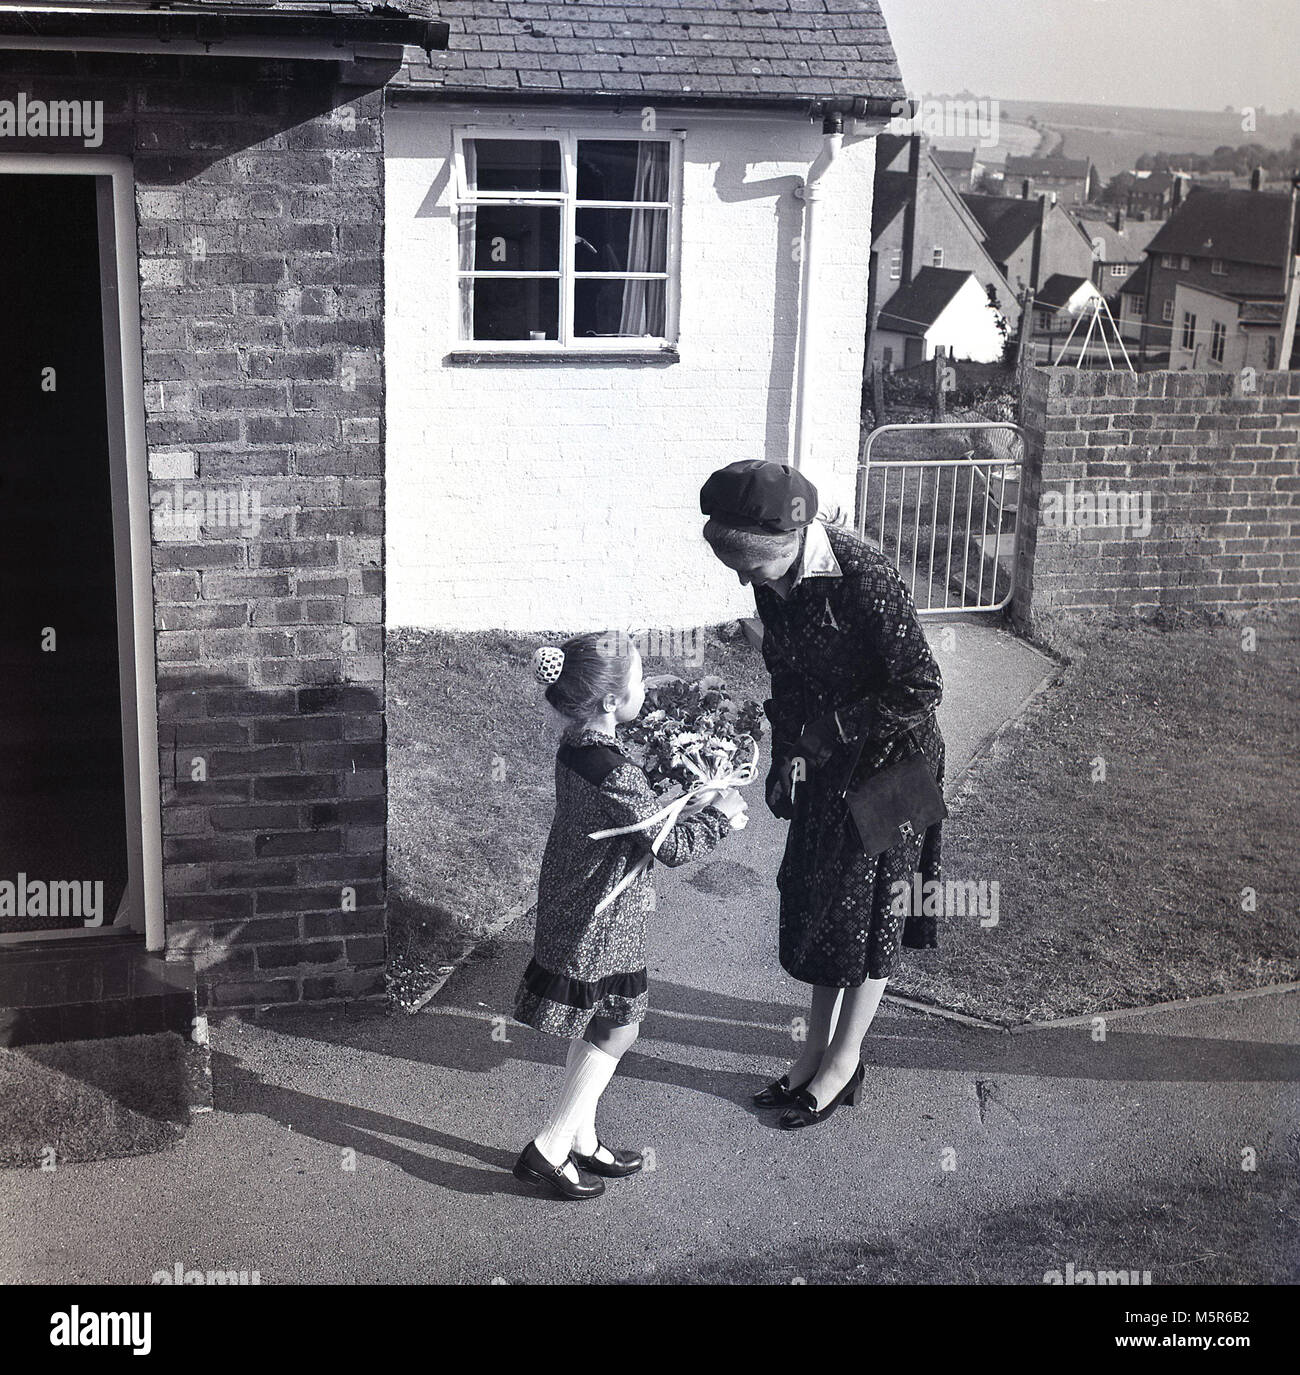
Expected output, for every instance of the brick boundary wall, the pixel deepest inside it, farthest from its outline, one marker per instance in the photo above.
(1212, 458)
(260, 219)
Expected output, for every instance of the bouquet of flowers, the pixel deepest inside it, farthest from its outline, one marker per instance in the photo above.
(691, 735)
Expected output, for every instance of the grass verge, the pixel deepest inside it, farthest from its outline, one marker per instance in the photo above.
(1125, 818)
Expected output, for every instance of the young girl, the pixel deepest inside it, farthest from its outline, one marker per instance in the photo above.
(587, 978)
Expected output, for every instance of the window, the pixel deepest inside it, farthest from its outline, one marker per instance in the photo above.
(1168, 260)
(1219, 267)
(896, 266)
(1137, 306)
(1185, 264)
(1167, 314)
(936, 259)
(1119, 269)
(1218, 340)
(566, 240)
(1189, 330)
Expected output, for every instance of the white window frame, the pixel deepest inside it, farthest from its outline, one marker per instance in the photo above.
(1169, 261)
(1188, 335)
(1218, 341)
(1120, 269)
(896, 265)
(1218, 267)
(1167, 315)
(936, 255)
(1185, 263)
(568, 138)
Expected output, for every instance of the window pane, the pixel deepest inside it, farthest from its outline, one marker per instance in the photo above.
(626, 309)
(510, 238)
(622, 170)
(512, 164)
(510, 308)
(621, 241)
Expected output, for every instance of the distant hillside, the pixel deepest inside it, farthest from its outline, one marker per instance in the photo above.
(1114, 137)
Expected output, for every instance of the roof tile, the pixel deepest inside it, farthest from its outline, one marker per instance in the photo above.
(756, 49)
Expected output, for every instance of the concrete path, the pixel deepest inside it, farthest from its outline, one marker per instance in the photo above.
(361, 1148)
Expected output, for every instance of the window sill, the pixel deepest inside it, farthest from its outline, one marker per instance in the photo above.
(560, 357)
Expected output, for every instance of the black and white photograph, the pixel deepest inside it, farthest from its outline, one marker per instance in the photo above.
(650, 643)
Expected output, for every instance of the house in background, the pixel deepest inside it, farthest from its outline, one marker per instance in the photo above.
(1217, 332)
(1071, 181)
(1240, 244)
(1155, 195)
(603, 282)
(960, 165)
(1061, 300)
(919, 221)
(1131, 313)
(942, 311)
(1031, 239)
(1119, 245)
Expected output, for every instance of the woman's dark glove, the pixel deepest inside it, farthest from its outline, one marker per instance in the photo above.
(820, 740)
(779, 788)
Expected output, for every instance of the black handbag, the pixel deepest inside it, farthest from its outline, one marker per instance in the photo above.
(898, 803)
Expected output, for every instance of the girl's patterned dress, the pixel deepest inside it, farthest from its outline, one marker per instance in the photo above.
(849, 641)
(588, 964)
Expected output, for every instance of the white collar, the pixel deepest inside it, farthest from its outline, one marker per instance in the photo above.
(817, 558)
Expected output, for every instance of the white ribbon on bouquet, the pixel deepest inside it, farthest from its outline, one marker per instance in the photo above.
(687, 804)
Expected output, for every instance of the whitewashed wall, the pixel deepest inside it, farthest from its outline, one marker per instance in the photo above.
(566, 497)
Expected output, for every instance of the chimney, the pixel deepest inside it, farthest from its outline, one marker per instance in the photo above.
(1024, 189)
(1257, 179)
(1119, 220)
(1176, 194)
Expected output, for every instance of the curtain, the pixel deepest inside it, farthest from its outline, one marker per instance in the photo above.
(647, 246)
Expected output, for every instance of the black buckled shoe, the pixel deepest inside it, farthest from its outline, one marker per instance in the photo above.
(533, 1168)
(778, 1095)
(806, 1113)
(623, 1164)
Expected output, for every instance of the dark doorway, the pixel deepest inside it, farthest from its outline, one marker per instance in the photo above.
(62, 798)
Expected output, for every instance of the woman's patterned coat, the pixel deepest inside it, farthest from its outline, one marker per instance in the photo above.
(850, 643)
(585, 963)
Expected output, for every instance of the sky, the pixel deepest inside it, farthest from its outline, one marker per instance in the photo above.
(1161, 54)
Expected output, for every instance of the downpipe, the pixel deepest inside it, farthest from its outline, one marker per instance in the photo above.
(810, 192)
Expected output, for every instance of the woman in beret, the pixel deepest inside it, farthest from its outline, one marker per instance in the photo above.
(854, 690)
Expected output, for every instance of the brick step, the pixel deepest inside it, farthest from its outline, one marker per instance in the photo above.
(79, 988)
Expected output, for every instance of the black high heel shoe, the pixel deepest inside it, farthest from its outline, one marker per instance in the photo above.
(623, 1164)
(778, 1095)
(806, 1113)
(533, 1168)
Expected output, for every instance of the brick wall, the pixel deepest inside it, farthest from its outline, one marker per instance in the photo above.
(566, 497)
(260, 211)
(1211, 459)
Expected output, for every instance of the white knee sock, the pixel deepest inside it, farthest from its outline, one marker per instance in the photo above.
(588, 1072)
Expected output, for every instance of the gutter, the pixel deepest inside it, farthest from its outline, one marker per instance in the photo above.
(811, 194)
(205, 27)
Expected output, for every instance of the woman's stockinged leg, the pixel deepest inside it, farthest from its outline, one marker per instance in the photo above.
(822, 1013)
(857, 1009)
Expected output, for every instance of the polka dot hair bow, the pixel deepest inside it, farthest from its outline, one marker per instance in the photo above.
(548, 664)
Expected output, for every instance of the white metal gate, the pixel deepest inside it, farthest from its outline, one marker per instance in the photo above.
(950, 523)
